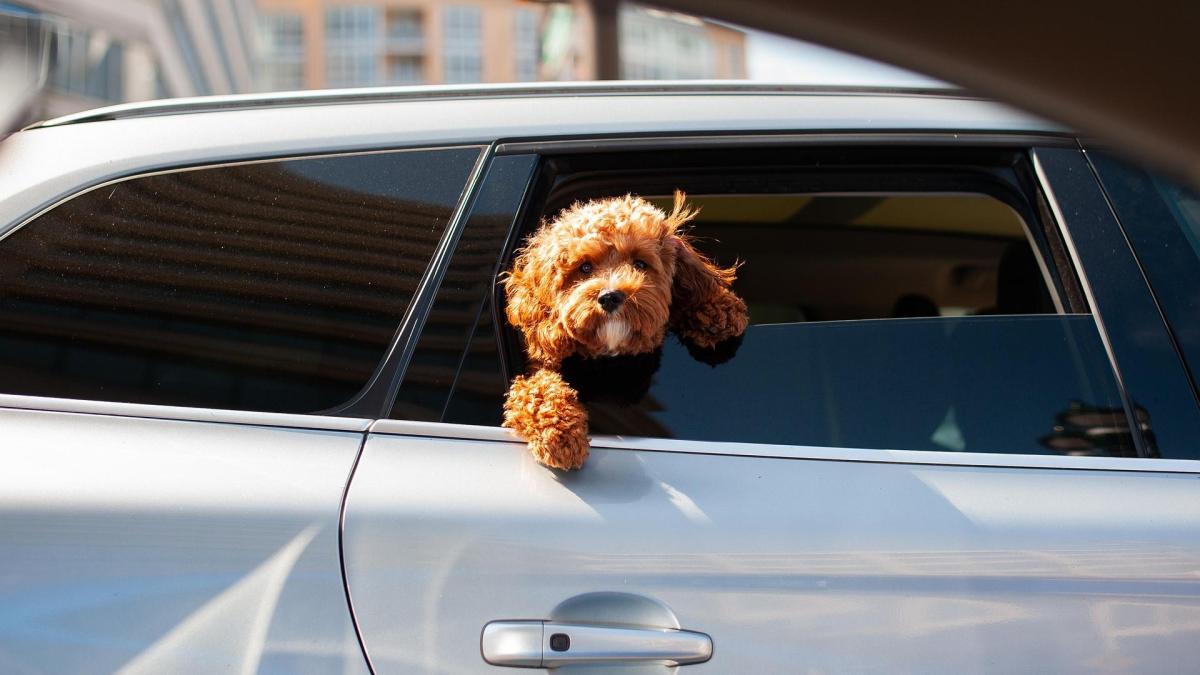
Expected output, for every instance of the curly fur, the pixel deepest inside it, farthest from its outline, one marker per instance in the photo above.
(635, 249)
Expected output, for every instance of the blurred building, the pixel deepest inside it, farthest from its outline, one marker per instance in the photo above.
(310, 44)
(110, 51)
(658, 45)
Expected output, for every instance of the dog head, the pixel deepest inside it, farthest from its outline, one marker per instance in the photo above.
(605, 278)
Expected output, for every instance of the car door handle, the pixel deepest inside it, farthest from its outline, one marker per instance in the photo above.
(550, 644)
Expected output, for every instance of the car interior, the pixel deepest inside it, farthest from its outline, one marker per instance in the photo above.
(907, 273)
(848, 236)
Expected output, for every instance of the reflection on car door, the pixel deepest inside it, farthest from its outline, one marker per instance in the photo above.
(792, 557)
(133, 542)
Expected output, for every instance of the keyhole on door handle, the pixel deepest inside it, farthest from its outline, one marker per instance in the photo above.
(560, 642)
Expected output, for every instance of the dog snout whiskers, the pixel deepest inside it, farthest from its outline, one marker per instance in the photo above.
(611, 300)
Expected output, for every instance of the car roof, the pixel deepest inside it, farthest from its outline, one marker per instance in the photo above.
(49, 161)
(478, 92)
(481, 94)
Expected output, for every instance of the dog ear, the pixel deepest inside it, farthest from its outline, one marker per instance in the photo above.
(530, 291)
(704, 310)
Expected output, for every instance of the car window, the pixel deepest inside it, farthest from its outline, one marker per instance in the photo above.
(926, 318)
(270, 286)
(1162, 220)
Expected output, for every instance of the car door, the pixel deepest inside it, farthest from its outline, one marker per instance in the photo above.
(989, 487)
(184, 361)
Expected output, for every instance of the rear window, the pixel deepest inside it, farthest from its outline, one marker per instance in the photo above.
(272, 286)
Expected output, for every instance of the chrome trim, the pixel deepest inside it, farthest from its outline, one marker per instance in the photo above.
(882, 456)
(530, 644)
(167, 412)
(766, 139)
(517, 644)
(196, 104)
(1056, 211)
(604, 644)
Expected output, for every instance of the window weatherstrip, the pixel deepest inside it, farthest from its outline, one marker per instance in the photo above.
(1081, 274)
(467, 432)
(758, 140)
(181, 413)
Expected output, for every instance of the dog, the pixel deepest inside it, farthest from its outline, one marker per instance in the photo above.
(606, 278)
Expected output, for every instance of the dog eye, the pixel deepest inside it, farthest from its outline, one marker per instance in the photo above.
(640, 264)
(585, 268)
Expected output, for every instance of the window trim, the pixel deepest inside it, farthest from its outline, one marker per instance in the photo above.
(1018, 142)
(182, 413)
(1065, 289)
(1095, 237)
(500, 435)
(379, 394)
(343, 417)
(698, 141)
(1056, 213)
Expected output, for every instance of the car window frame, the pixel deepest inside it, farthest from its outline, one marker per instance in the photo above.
(1160, 245)
(1050, 215)
(1135, 332)
(373, 400)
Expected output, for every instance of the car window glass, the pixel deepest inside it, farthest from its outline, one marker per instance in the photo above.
(1162, 220)
(272, 286)
(462, 301)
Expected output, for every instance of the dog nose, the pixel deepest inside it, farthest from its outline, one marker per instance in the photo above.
(611, 300)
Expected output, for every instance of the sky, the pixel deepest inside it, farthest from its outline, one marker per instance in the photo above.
(773, 58)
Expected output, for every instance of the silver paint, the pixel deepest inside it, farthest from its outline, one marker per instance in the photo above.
(1123, 464)
(140, 545)
(169, 412)
(790, 564)
(41, 166)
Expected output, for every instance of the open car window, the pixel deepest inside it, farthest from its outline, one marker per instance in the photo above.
(891, 307)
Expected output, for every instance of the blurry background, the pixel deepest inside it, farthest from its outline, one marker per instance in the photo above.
(80, 54)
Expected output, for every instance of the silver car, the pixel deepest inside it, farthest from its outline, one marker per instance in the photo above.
(253, 356)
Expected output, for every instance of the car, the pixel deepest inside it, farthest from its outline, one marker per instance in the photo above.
(253, 359)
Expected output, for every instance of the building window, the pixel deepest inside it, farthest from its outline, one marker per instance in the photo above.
(657, 45)
(88, 63)
(352, 46)
(405, 70)
(528, 45)
(463, 33)
(281, 52)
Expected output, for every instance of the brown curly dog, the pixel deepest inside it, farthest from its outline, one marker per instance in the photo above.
(607, 277)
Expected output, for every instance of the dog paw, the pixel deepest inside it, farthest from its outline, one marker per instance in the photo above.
(716, 320)
(715, 355)
(547, 413)
(561, 449)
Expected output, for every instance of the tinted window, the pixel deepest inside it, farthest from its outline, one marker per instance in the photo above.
(902, 321)
(272, 286)
(462, 300)
(916, 320)
(1029, 384)
(841, 257)
(1162, 221)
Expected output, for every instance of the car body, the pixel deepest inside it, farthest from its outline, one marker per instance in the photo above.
(254, 359)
